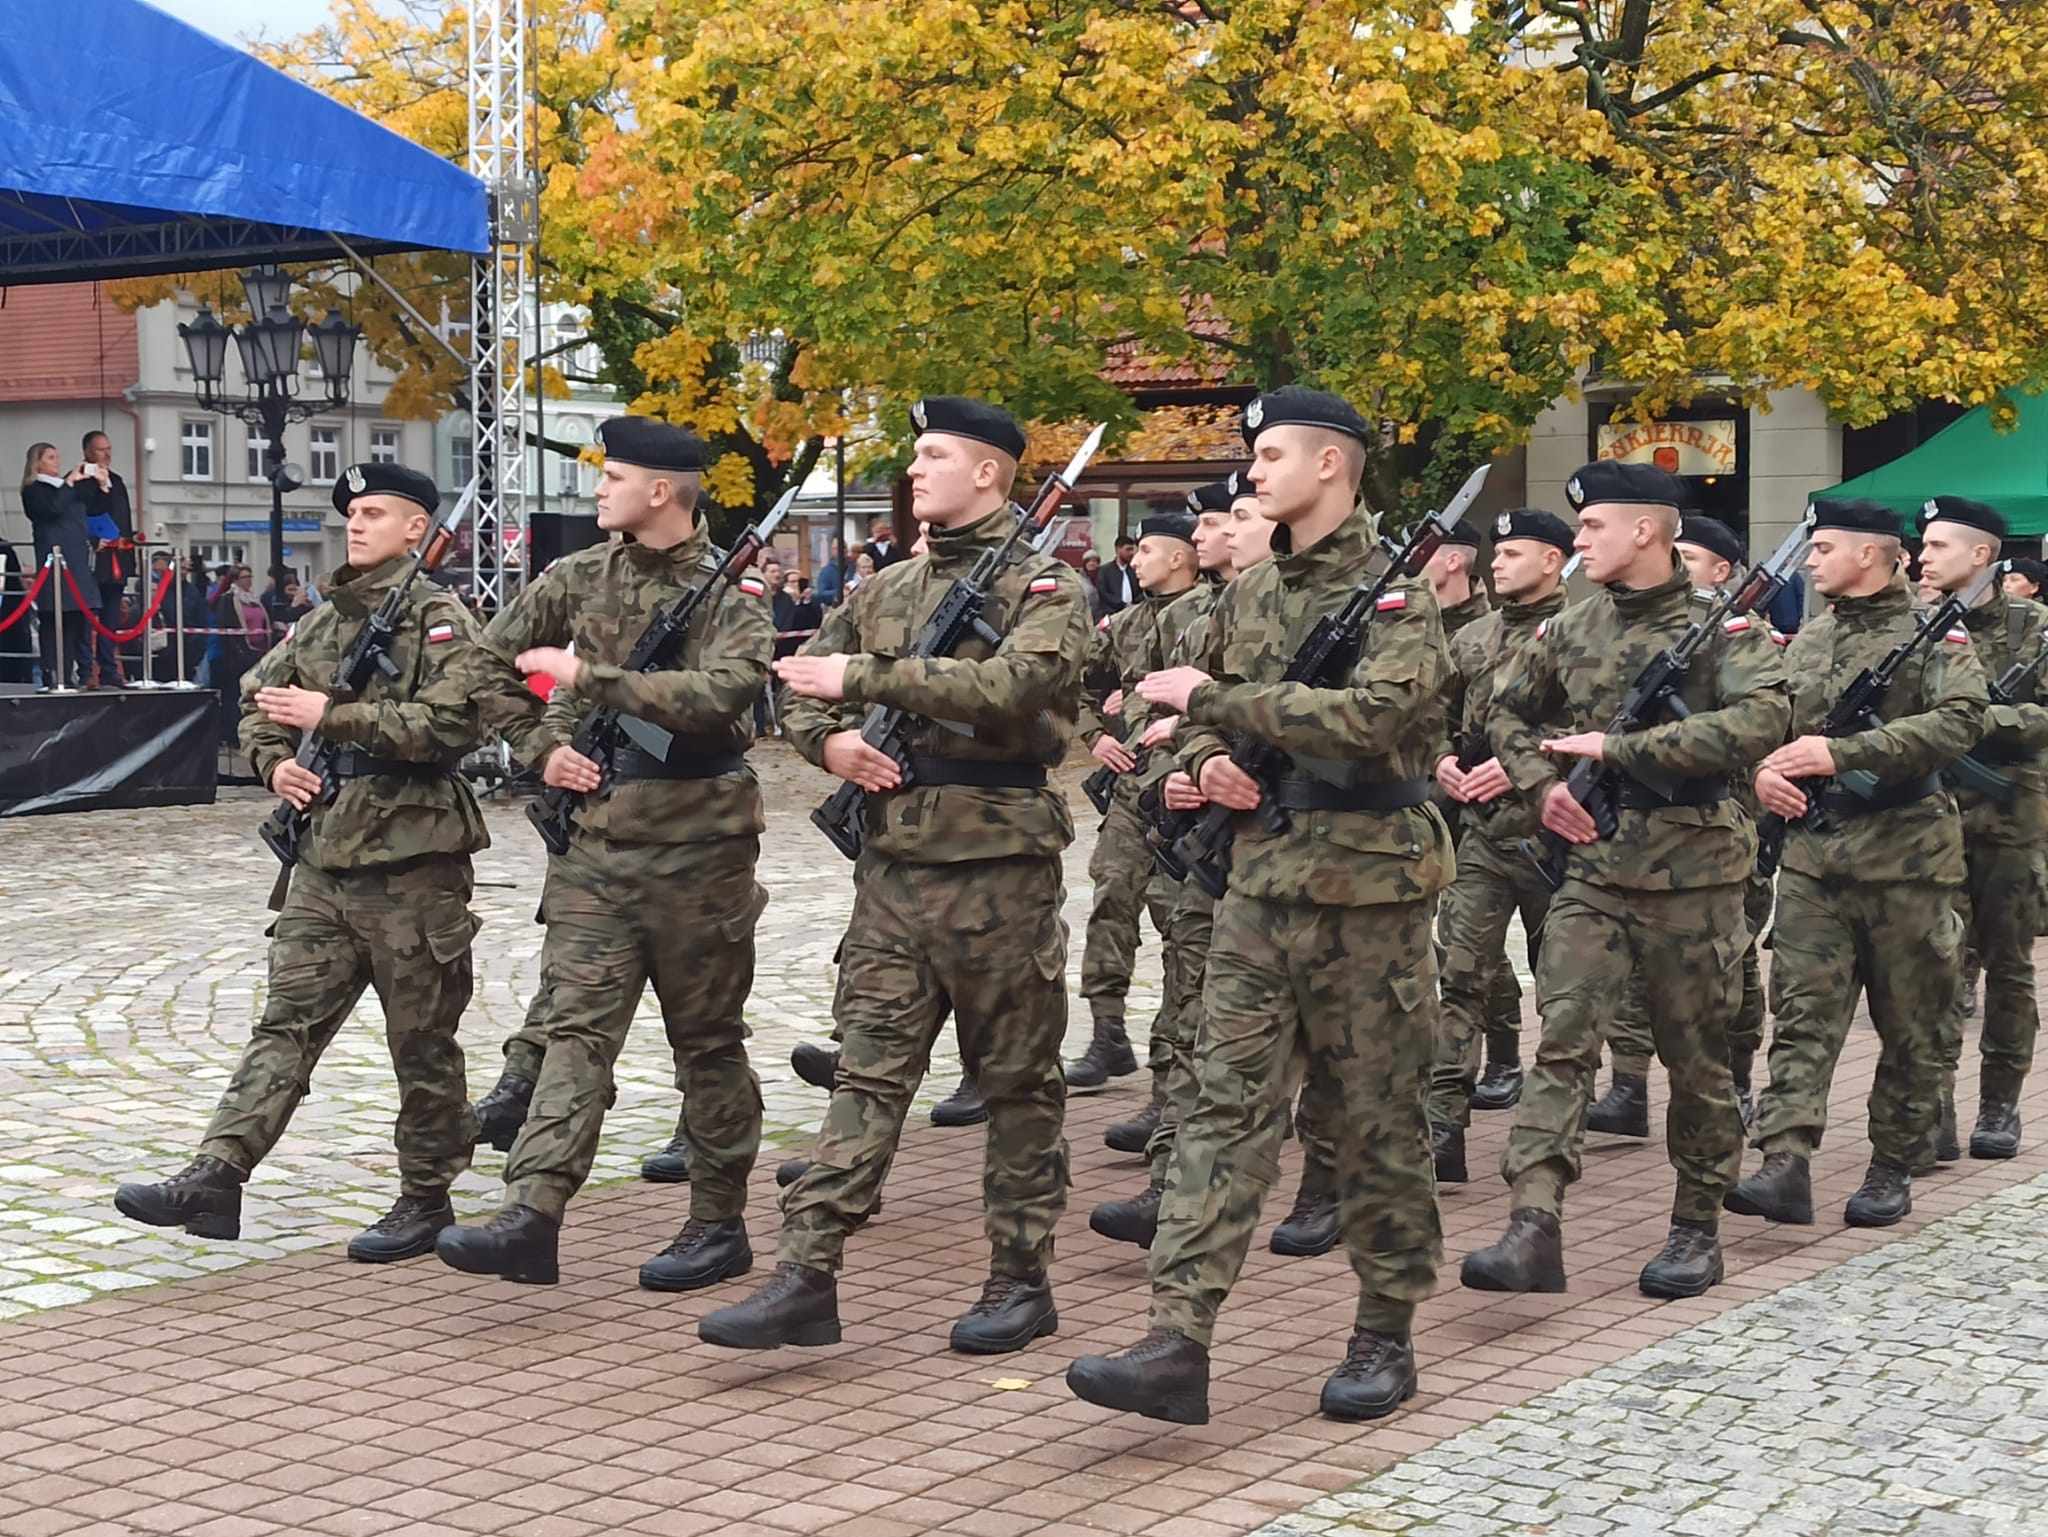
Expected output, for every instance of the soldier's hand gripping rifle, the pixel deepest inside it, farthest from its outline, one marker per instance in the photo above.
(1100, 786)
(888, 729)
(1474, 747)
(284, 830)
(1590, 781)
(603, 730)
(1974, 770)
(1330, 651)
(1856, 709)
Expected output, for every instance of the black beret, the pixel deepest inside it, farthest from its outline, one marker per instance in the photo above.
(1216, 496)
(651, 444)
(1533, 523)
(385, 480)
(959, 417)
(1168, 525)
(1610, 480)
(2033, 570)
(1861, 516)
(1298, 407)
(1464, 533)
(1713, 535)
(1960, 509)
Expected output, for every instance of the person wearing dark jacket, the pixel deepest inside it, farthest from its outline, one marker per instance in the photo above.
(51, 502)
(17, 645)
(1118, 584)
(103, 494)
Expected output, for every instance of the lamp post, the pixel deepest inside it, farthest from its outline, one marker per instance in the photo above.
(269, 346)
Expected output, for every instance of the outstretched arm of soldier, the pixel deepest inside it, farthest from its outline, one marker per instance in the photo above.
(1528, 694)
(807, 720)
(266, 741)
(731, 670)
(438, 722)
(1919, 744)
(539, 616)
(1752, 712)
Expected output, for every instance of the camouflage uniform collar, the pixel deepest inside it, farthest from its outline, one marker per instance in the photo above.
(1342, 551)
(953, 550)
(1531, 613)
(355, 593)
(1988, 615)
(687, 553)
(1475, 606)
(1637, 602)
(1880, 607)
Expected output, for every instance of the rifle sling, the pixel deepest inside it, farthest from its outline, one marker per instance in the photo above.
(1304, 792)
(978, 773)
(1887, 797)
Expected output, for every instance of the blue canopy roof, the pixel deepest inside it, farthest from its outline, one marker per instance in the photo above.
(132, 143)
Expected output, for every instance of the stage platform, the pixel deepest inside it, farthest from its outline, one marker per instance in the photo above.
(106, 749)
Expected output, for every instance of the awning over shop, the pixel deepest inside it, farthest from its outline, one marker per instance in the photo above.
(1970, 458)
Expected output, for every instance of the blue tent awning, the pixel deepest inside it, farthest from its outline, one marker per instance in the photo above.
(131, 143)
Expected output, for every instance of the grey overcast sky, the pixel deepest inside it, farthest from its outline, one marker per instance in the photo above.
(237, 20)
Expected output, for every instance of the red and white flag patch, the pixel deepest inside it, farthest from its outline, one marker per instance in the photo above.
(1736, 625)
(1392, 603)
(289, 631)
(753, 586)
(1102, 623)
(1780, 638)
(1040, 585)
(1957, 636)
(436, 633)
(1543, 629)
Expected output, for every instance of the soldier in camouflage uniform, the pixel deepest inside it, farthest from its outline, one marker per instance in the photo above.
(380, 896)
(1322, 948)
(956, 892)
(657, 884)
(2002, 840)
(1495, 879)
(1661, 899)
(1867, 898)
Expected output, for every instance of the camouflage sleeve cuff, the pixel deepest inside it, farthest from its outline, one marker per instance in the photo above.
(600, 682)
(343, 722)
(859, 675)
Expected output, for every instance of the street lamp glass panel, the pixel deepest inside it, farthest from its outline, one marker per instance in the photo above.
(276, 346)
(269, 287)
(206, 342)
(245, 347)
(334, 342)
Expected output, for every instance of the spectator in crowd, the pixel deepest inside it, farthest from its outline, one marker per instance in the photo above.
(109, 519)
(1119, 583)
(2027, 579)
(51, 502)
(863, 570)
(242, 614)
(296, 607)
(17, 641)
(1091, 578)
(764, 702)
(194, 620)
(213, 664)
(882, 548)
(832, 575)
(810, 613)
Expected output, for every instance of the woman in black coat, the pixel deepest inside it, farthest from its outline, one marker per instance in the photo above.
(17, 643)
(59, 521)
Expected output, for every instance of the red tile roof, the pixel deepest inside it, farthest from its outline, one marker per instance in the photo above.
(66, 341)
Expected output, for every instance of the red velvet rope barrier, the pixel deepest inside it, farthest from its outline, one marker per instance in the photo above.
(118, 637)
(27, 601)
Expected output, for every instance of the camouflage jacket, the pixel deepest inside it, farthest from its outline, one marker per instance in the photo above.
(425, 715)
(1475, 608)
(2004, 631)
(1378, 728)
(1013, 704)
(601, 600)
(1572, 674)
(1125, 646)
(1932, 713)
(1477, 652)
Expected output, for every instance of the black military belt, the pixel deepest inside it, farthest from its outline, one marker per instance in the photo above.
(354, 765)
(1889, 797)
(979, 773)
(1304, 792)
(1707, 791)
(629, 762)
(1993, 755)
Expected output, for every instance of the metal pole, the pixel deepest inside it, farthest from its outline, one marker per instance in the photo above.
(57, 603)
(178, 623)
(274, 424)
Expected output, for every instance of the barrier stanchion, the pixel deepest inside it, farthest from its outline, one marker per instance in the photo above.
(63, 660)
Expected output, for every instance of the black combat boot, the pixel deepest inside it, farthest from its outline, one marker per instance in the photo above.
(1011, 1312)
(671, 1166)
(1108, 1056)
(1528, 1257)
(1500, 1086)
(790, 1170)
(1447, 1143)
(1884, 1199)
(963, 1107)
(1132, 1136)
(1997, 1134)
(1948, 1143)
(204, 1198)
(1310, 1228)
(817, 1065)
(1133, 1221)
(1689, 1264)
(406, 1231)
(1782, 1190)
(1377, 1377)
(518, 1243)
(500, 1113)
(795, 1306)
(1624, 1110)
(1165, 1376)
(703, 1254)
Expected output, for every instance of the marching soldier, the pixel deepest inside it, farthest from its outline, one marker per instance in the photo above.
(1660, 900)
(663, 846)
(380, 896)
(956, 892)
(1866, 899)
(1322, 947)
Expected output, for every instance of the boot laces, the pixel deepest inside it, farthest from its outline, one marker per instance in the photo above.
(996, 1292)
(688, 1239)
(406, 1209)
(1160, 1342)
(1879, 1178)
(1367, 1353)
(194, 1173)
(1306, 1204)
(786, 1282)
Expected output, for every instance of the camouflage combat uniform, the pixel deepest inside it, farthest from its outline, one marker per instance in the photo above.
(380, 897)
(1322, 948)
(658, 882)
(1660, 900)
(1866, 902)
(957, 892)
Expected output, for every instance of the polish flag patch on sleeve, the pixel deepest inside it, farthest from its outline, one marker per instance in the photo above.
(1102, 623)
(289, 632)
(1958, 636)
(1780, 638)
(753, 586)
(1392, 603)
(1040, 585)
(436, 633)
(1737, 625)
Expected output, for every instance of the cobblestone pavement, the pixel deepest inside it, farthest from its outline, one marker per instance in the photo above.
(1905, 1391)
(135, 968)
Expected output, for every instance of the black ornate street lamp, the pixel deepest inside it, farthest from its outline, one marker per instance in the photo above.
(270, 345)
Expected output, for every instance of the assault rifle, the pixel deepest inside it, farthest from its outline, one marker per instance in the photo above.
(886, 728)
(1855, 709)
(604, 730)
(1976, 773)
(1596, 786)
(1330, 651)
(284, 830)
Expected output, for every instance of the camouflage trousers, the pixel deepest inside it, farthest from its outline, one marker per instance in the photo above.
(527, 1047)
(1127, 882)
(1347, 991)
(619, 916)
(1189, 929)
(985, 936)
(1685, 947)
(1896, 942)
(406, 932)
(1746, 1034)
(2000, 904)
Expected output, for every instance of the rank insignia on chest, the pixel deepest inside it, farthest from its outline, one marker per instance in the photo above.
(753, 586)
(1392, 603)
(1041, 585)
(436, 633)
(1957, 636)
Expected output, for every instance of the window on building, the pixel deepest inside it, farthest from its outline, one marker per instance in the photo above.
(213, 557)
(258, 448)
(461, 460)
(195, 455)
(323, 465)
(383, 445)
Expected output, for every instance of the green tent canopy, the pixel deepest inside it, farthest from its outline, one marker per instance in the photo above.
(1970, 458)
